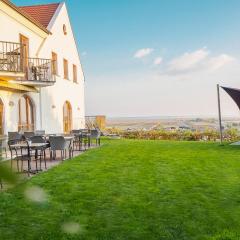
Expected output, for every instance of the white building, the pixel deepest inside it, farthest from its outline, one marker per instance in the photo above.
(41, 78)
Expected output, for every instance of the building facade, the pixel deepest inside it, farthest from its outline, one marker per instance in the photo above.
(41, 77)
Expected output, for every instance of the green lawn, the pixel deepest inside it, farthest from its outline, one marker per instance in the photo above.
(133, 190)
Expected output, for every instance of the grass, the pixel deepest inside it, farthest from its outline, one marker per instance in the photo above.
(133, 190)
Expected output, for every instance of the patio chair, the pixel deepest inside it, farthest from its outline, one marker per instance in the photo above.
(77, 141)
(25, 154)
(28, 135)
(85, 137)
(39, 132)
(40, 139)
(76, 131)
(84, 130)
(95, 134)
(15, 153)
(3, 148)
(58, 143)
(14, 136)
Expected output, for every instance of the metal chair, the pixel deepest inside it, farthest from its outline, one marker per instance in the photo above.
(16, 153)
(77, 141)
(40, 139)
(75, 131)
(25, 154)
(58, 143)
(37, 139)
(14, 136)
(3, 148)
(85, 136)
(28, 135)
(95, 134)
(39, 132)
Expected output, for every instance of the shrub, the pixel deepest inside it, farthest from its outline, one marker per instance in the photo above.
(184, 135)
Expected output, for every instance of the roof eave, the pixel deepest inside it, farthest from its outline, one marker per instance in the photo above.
(27, 16)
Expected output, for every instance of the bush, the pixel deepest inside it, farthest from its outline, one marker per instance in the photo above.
(180, 135)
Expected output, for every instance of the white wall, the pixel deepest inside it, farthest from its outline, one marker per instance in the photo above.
(63, 90)
(53, 97)
(10, 30)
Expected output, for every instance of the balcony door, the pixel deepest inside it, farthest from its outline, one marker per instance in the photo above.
(67, 117)
(26, 114)
(1, 117)
(25, 52)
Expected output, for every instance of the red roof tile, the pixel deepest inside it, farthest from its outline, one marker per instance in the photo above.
(41, 13)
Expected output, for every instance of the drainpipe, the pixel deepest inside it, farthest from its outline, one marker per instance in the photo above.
(40, 107)
(40, 89)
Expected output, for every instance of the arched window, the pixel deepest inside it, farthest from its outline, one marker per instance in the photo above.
(67, 117)
(1, 117)
(26, 114)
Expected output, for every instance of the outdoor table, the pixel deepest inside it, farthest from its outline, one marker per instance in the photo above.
(30, 146)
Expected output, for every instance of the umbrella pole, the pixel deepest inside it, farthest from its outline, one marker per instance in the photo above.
(219, 114)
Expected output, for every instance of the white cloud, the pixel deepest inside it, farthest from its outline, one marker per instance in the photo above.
(200, 60)
(188, 61)
(84, 53)
(220, 61)
(158, 61)
(143, 52)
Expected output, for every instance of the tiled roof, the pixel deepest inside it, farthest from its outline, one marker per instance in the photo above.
(41, 13)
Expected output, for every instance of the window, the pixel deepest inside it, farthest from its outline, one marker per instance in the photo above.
(64, 29)
(25, 114)
(54, 64)
(67, 117)
(65, 68)
(75, 73)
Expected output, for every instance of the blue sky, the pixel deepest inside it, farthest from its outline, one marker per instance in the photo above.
(156, 57)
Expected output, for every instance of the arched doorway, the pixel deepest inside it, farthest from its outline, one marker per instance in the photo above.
(25, 114)
(67, 117)
(1, 117)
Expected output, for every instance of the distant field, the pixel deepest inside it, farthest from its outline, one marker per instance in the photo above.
(166, 122)
(133, 190)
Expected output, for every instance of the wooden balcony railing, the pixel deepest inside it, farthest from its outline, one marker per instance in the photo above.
(11, 57)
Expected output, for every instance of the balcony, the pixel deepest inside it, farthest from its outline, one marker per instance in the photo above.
(15, 68)
(10, 60)
(38, 73)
